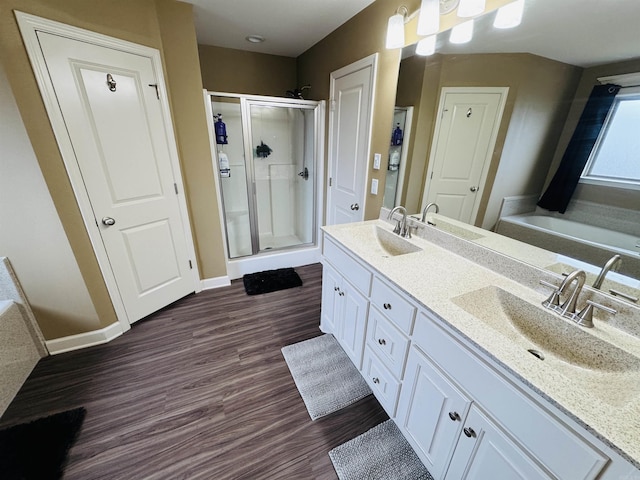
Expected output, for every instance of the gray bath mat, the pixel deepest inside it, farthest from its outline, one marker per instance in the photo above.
(325, 377)
(381, 453)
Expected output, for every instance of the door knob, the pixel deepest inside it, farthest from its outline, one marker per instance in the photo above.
(355, 206)
(473, 189)
(108, 221)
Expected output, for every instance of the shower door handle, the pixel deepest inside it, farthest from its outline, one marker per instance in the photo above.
(355, 206)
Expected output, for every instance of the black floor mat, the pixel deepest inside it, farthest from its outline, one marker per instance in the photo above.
(38, 450)
(271, 281)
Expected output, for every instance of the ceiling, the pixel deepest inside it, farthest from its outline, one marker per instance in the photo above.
(579, 32)
(290, 27)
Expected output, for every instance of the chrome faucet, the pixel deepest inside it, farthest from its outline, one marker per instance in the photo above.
(568, 308)
(616, 259)
(424, 212)
(401, 225)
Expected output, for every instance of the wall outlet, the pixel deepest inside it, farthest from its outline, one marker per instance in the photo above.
(374, 186)
(377, 158)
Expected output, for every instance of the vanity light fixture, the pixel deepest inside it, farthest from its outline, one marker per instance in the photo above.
(510, 15)
(462, 33)
(470, 8)
(426, 46)
(429, 17)
(395, 28)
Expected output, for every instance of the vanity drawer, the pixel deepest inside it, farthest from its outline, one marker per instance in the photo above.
(567, 456)
(384, 385)
(348, 267)
(394, 305)
(389, 343)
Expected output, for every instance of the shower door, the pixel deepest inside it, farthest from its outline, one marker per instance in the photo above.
(268, 191)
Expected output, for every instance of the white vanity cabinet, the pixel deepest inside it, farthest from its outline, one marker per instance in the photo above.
(485, 451)
(344, 305)
(431, 412)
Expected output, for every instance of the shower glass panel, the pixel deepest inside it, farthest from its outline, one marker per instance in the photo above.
(282, 154)
(267, 169)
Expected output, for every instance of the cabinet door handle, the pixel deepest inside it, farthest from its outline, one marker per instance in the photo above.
(386, 306)
(469, 432)
(341, 293)
(454, 416)
(335, 289)
(376, 380)
(382, 341)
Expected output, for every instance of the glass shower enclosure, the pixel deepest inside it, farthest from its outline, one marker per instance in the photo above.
(265, 149)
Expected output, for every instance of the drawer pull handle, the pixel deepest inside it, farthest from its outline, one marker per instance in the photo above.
(376, 380)
(469, 432)
(387, 306)
(382, 341)
(454, 416)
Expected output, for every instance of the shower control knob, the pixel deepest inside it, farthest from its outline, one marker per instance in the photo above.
(355, 206)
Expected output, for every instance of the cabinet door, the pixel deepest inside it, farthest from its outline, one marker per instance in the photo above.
(331, 282)
(430, 412)
(353, 321)
(484, 452)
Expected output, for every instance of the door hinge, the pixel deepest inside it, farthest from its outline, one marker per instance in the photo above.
(431, 175)
(332, 105)
(330, 181)
(190, 265)
(175, 187)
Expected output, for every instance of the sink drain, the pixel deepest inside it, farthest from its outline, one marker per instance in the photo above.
(539, 355)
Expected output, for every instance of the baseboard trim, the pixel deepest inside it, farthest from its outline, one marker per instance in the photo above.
(84, 340)
(216, 282)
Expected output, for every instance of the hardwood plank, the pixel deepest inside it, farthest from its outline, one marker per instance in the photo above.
(198, 390)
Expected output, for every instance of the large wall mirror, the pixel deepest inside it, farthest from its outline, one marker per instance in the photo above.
(525, 88)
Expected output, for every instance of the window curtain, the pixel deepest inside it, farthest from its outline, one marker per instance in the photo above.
(564, 182)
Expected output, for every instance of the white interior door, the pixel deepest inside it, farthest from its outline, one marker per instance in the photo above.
(465, 135)
(352, 90)
(111, 109)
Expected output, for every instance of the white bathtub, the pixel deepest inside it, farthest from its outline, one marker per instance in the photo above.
(585, 242)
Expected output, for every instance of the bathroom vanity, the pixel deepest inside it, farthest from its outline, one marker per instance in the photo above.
(452, 350)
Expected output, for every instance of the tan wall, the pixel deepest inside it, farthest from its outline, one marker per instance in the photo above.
(616, 197)
(237, 71)
(141, 22)
(32, 236)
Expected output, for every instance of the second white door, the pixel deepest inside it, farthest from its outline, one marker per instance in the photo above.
(112, 114)
(464, 139)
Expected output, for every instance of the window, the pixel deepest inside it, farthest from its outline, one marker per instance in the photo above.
(615, 158)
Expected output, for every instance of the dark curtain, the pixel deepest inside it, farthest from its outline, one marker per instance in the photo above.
(565, 181)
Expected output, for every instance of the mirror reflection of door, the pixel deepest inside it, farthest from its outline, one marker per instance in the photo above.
(467, 126)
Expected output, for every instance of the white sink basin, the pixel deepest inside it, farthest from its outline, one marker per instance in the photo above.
(590, 362)
(393, 244)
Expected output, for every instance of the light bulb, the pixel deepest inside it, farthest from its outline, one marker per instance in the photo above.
(510, 15)
(462, 33)
(395, 31)
(429, 17)
(426, 46)
(470, 8)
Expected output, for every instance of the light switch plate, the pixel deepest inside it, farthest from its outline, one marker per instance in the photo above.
(374, 186)
(377, 158)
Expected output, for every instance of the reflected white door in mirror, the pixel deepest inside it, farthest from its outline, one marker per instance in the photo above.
(465, 134)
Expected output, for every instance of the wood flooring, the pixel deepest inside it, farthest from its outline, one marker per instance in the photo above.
(198, 390)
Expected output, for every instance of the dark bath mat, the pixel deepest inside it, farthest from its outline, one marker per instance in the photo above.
(38, 450)
(271, 281)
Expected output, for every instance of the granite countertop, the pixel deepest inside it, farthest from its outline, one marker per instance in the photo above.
(604, 398)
